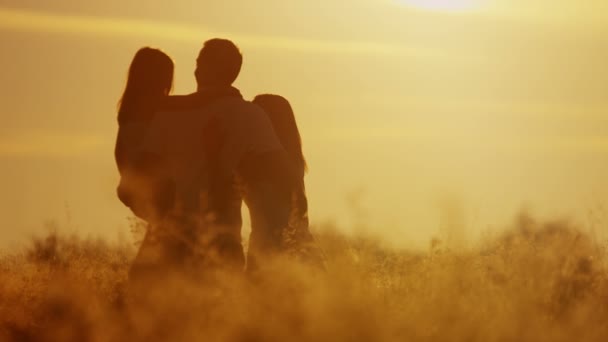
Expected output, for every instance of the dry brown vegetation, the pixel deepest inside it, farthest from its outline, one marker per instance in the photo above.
(538, 282)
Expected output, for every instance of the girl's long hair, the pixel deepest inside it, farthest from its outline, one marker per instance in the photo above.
(284, 122)
(150, 78)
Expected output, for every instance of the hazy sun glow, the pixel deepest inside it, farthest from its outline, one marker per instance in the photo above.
(402, 105)
(441, 5)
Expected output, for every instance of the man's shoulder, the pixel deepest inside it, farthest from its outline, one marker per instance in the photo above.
(205, 101)
(247, 124)
(236, 106)
(176, 103)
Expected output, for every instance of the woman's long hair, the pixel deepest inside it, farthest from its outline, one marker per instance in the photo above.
(284, 122)
(150, 78)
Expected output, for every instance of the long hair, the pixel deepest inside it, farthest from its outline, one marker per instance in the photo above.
(150, 78)
(283, 120)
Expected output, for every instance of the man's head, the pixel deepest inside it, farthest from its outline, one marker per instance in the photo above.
(218, 63)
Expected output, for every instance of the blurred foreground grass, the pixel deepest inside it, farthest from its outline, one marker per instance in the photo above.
(537, 282)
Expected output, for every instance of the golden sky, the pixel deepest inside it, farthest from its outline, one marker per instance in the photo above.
(401, 103)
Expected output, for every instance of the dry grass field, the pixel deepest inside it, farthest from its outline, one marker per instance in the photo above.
(537, 282)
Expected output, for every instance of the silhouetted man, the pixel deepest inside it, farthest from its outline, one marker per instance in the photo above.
(239, 148)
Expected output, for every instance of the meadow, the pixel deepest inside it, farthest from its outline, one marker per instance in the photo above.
(537, 281)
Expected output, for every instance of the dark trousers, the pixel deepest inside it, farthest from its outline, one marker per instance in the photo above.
(186, 246)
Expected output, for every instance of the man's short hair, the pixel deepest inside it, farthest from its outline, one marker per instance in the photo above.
(220, 60)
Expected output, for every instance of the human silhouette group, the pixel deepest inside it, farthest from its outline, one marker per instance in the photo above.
(188, 162)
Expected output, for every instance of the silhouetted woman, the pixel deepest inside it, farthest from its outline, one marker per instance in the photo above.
(297, 240)
(143, 187)
(149, 82)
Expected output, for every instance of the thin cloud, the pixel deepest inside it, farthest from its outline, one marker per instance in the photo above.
(50, 145)
(36, 21)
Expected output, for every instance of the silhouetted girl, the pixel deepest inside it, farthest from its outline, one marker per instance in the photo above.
(297, 239)
(142, 188)
(146, 185)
